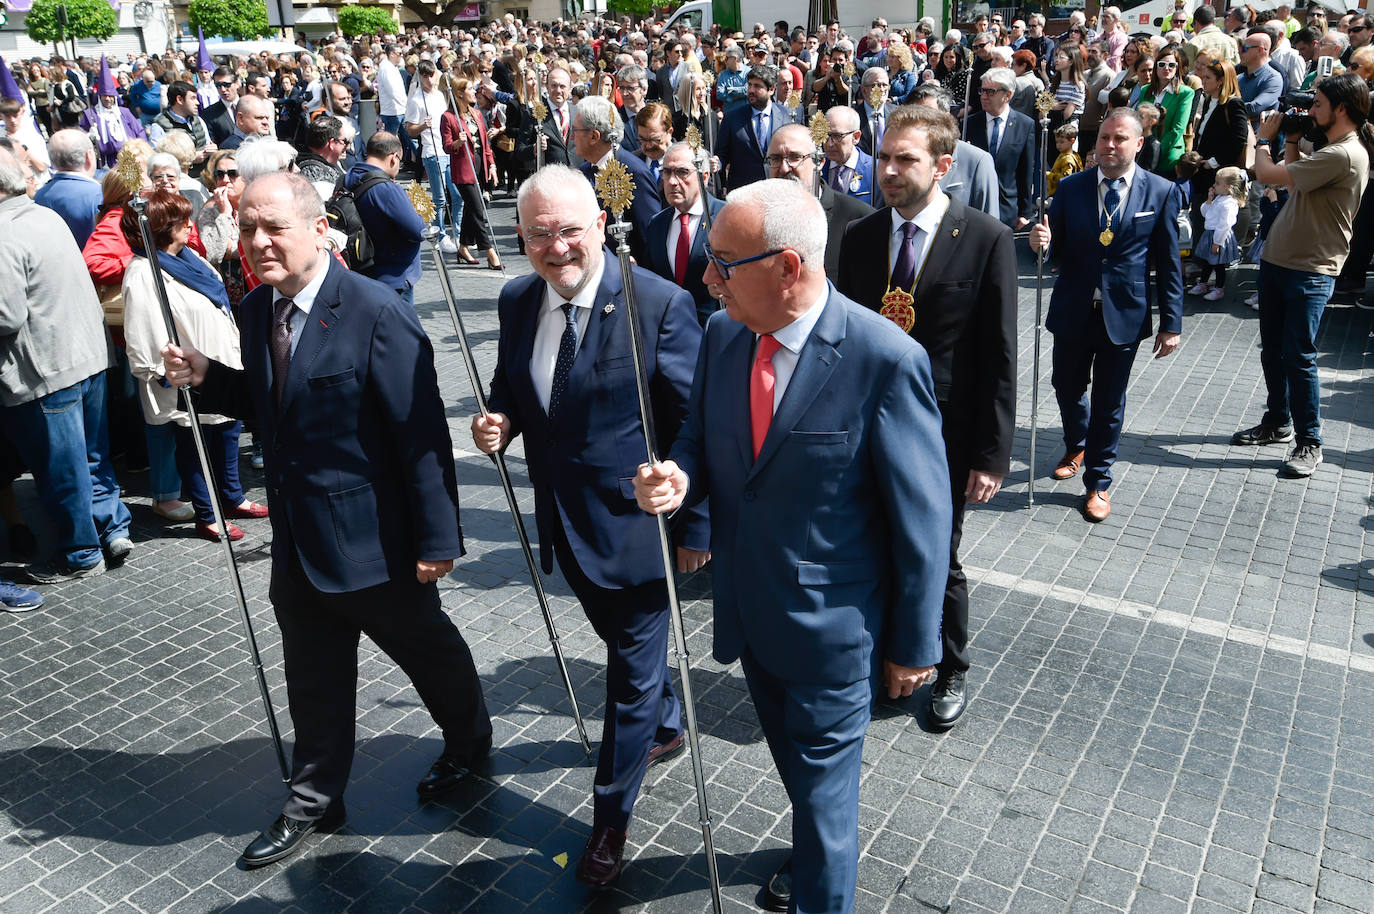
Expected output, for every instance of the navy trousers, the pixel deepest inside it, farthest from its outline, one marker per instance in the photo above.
(642, 709)
(816, 736)
(1092, 420)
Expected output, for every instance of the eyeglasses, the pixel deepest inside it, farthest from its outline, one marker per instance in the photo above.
(222, 173)
(990, 90)
(792, 159)
(1251, 47)
(725, 266)
(1166, 65)
(220, 85)
(164, 179)
(570, 236)
(678, 174)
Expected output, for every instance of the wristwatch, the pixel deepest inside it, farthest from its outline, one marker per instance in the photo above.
(1262, 142)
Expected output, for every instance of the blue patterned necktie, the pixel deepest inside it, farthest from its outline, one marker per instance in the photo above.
(567, 351)
(1110, 201)
(759, 132)
(996, 139)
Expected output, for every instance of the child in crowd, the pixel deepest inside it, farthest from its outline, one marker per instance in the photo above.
(1068, 161)
(1184, 169)
(1217, 246)
(1148, 156)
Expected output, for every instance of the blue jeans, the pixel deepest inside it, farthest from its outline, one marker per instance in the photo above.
(441, 188)
(222, 447)
(163, 478)
(392, 122)
(1290, 311)
(65, 440)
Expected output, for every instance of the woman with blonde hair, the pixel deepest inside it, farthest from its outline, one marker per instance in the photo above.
(901, 72)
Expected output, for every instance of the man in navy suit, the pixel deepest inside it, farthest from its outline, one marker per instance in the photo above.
(1009, 137)
(565, 380)
(873, 77)
(676, 239)
(555, 130)
(596, 135)
(742, 142)
(340, 378)
(1106, 227)
(814, 431)
(848, 169)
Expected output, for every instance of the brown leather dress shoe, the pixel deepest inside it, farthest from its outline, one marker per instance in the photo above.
(1097, 505)
(662, 752)
(1068, 465)
(600, 863)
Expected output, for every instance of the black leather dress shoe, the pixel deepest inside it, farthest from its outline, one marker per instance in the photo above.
(449, 770)
(948, 698)
(601, 860)
(665, 751)
(777, 894)
(286, 835)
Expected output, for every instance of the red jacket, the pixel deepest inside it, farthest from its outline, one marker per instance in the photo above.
(107, 254)
(454, 135)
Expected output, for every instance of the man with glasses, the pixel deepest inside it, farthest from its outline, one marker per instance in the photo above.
(1360, 35)
(633, 83)
(871, 118)
(982, 63)
(665, 80)
(564, 379)
(1009, 137)
(219, 117)
(791, 154)
(325, 142)
(1179, 22)
(813, 432)
(597, 133)
(1261, 86)
(675, 240)
(848, 169)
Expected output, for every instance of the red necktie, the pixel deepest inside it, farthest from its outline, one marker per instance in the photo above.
(684, 248)
(563, 130)
(761, 390)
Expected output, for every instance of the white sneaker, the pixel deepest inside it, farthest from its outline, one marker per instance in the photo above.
(448, 246)
(1253, 301)
(1199, 289)
(1215, 295)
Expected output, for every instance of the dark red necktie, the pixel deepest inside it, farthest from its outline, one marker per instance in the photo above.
(761, 382)
(684, 249)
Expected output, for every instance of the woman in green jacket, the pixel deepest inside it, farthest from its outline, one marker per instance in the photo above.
(1174, 98)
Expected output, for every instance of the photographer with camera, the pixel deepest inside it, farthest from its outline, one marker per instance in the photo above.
(1302, 256)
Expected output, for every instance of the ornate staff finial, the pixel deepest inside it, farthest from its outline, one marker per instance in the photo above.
(539, 110)
(875, 97)
(615, 187)
(421, 201)
(537, 59)
(130, 172)
(693, 138)
(849, 70)
(1044, 101)
(793, 100)
(820, 129)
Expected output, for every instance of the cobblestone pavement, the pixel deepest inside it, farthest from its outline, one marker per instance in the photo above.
(1170, 709)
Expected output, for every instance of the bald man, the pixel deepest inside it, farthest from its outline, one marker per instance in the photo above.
(848, 169)
(252, 117)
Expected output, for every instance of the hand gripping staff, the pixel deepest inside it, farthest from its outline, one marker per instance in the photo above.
(131, 174)
(1044, 101)
(424, 208)
(616, 189)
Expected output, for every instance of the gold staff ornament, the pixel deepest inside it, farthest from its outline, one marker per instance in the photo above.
(849, 70)
(693, 138)
(1044, 102)
(615, 187)
(820, 129)
(128, 169)
(875, 97)
(793, 100)
(537, 59)
(422, 202)
(539, 109)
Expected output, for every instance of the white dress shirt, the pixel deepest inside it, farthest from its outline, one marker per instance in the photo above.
(792, 338)
(391, 89)
(675, 228)
(928, 221)
(548, 333)
(997, 126)
(304, 301)
(1118, 218)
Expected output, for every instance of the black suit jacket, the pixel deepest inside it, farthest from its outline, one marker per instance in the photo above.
(965, 319)
(866, 125)
(1014, 161)
(220, 120)
(840, 210)
(663, 79)
(661, 260)
(559, 151)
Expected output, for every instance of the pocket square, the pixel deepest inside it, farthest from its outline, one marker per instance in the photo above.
(1148, 212)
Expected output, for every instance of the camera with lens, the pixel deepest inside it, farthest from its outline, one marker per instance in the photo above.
(1296, 119)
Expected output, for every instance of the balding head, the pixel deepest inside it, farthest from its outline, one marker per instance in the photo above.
(282, 228)
(253, 116)
(71, 151)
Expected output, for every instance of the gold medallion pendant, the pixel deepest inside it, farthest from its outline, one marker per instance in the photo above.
(898, 308)
(1106, 237)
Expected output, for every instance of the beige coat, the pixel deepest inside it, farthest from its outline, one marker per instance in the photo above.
(200, 322)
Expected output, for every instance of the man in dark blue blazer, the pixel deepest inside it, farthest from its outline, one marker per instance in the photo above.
(1107, 227)
(340, 378)
(848, 169)
(565, 380)
(1013, 152)
(597, 131)
(670, 235)
(814, 431)
(742, 142)
(873, 76)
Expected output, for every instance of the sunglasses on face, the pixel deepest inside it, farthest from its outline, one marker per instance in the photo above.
(222, 173)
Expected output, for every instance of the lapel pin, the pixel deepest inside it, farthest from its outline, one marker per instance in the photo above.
(610, 306)
(954, 234)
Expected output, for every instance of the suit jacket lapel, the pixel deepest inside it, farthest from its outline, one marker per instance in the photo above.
(941, 248)
(815, 364)
(738, 357)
